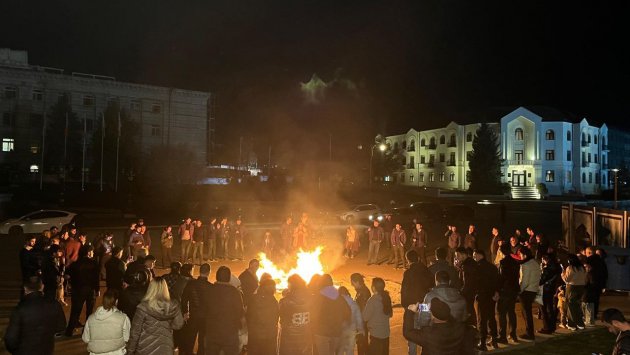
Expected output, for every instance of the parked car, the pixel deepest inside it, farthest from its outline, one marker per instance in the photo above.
(359, 213)
(36, 222)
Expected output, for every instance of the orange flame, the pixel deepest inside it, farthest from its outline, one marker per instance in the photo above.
(308, 264)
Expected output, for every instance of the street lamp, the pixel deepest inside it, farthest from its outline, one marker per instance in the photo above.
(382, 147)
(616, 171)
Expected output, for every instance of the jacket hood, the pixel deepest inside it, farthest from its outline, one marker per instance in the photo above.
(102, 314)
(447, 293)
(329, 292)
(167, 311)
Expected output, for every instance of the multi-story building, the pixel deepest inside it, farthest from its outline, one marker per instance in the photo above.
(166, 116)
(568, 157)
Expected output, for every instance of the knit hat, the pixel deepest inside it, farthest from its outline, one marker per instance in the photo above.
(440, 310)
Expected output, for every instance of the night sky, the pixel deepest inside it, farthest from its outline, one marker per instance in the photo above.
(388, 65)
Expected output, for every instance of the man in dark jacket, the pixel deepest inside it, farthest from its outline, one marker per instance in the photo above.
(198, 238)
(363, 294)
(84, 279)
(599, 271)
(509, 289)
(28, 259)
(262, 320)
(34, 322)
(376, 235)
(249, 280)
(397, 239)
(617, 324)
(441, 264)
(224, 310)
(550, 279)
(115, 270)
(194, 304)
(468, 280)
(131, 296)
(487, 293)
(416, 282)
(443, 336)
(330, 311)
(295, 319)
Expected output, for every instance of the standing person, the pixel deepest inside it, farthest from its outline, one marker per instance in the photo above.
(34, 322)
(197, 243)
(377, 313)
(543, 247)
(224, 311)
(155, 319)
(29, 262)
(262, 320)
(53, 269)
(239, 234)
(173, 275)
(193, 303)
(599, 272)
(300, 236)
(249, 280)
(470, 239)
(618, 325)
(574, 276)
(487, 291)
(352, 243)
(185, 275)
(494, 243)
(529, 279)
(454, 240)
(223, 231)
(509, 289)
(186, 231)
(549, 281)
(376, 235)
(468, 279)
(351, 328)
(167, 245)
(146, 236)
(268, 244)
(441, 264)
(71, 249)
(84, 279)
(286, 234)
(419, 242)
(211, 239)
(294, 334)
(136, 243)
(107, 330)
(448, 294)
(115, 270)
(103, 251)
(133, 294)
(361, 297)
(397, 240)
(416, 283)
(330, 312)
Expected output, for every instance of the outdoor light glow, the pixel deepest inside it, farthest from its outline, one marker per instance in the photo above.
(615, 170)
(382, 147)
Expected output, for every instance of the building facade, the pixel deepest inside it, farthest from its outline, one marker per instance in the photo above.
(567, 157)
(166, 116)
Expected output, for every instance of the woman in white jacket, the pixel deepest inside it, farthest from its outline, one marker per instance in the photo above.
(107, 330)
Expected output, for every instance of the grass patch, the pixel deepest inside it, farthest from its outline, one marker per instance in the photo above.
(597, 341)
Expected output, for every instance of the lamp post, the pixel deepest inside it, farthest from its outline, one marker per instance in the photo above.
(616, 171)
(382, 147)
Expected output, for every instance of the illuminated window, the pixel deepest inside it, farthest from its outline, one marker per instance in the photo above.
(431, 177)
(518, 134)
(34, 168)
(549, 176)
(442, 175)
(451, 176)
(411, 178)
(8, 144)
(88, 100)
(550, 155)
(550, 135)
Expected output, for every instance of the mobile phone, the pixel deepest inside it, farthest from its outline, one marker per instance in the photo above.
(424, 307)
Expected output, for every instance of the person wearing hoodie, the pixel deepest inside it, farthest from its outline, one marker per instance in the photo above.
(262, 320)
(444, 335)
(449, 295)
(224, 311)
(351, 328)
(529, 279)
(330, 312)
(294, 335)
(377, 313)
(107, 330)
(154, 321)
(416, 282)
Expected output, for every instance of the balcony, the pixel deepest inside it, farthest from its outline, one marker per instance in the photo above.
(521, 162)
(585, 143)
(452, 144)
(432, 146)
(451, 163)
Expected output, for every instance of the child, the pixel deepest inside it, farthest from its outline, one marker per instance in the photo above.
(562, 306)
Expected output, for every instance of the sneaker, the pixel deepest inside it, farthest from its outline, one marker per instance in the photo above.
(580, 327)
(562, 326)
(571, 328)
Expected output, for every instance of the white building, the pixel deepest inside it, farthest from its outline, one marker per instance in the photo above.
(166, 116)
(567, 157)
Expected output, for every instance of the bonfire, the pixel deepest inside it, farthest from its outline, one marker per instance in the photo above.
(307, 265)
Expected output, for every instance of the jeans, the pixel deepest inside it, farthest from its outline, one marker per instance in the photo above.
(589, 313)
(212, 249)
(326, 345)
(486, 307)
(574, 299)
(378, 346)
(373, 252)
(225, 245)
(186, 244)
(197, 251)
(507, 312)
(399, 252)
(79, 297)
(527, 299)
(346, 343)
(549, 312)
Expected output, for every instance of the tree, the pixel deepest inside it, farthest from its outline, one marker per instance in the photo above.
(388, 161)
(64, 131)
(485, 162)
(129, 153)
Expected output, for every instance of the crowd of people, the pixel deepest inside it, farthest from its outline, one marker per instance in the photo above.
(451, 304)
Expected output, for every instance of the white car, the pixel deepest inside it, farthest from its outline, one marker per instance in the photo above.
(36, 222)
(359, 213)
